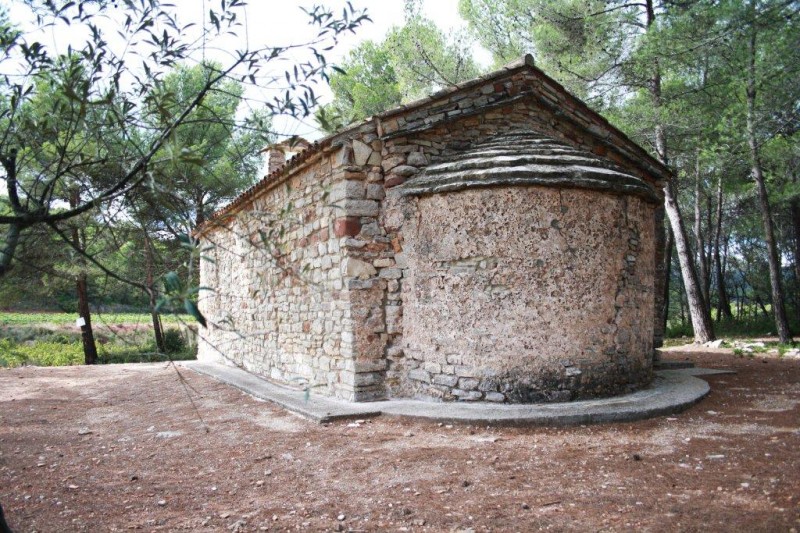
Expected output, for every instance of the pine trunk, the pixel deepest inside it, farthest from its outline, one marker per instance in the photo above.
(82, 288)
(151, 290)
(778, 305)
(723, 302)
(699, 244)
(701, 318)
(668, 244)
(794, 206)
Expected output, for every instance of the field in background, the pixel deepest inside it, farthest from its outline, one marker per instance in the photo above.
(53, 339)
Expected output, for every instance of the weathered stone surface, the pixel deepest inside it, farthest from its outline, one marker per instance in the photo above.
(357, 268)
(404, 170)
(361, 208)
(347, 189)
(347, 226)
(418, 374)
(375, 191)
(361, 152)
(529, 275)
(417, 159)
(494, 397)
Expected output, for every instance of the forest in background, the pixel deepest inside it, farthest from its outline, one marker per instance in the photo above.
(711, 88)
(107, 180)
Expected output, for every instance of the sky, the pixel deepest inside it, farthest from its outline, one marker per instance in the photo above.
(277, 22)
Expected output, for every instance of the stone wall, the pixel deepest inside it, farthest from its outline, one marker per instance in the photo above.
(527, 294)
(279, 305)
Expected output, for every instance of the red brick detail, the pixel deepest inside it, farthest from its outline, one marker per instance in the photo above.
(346, 226)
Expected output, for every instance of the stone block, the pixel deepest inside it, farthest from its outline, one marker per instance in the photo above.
(370, 365)
(391, 273)
(368, 379)
(445, 380)
(463, 371)
(358, 269)
(383, 262)
(391, 162)
(468, 396)
(468, 383)
(361, 152)
(346, 226)
(343, 157)
(347, 189)
(488, 385)
(418, 374)
(375, 191)
(393, 180)
(361, 208)
(494, 397)
(417, 159)
(433, 368)
(405, 170)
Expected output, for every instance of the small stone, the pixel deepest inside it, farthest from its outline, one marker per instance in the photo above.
(526, 506)
(87, 431)
(405, 170)
(162, 503)
(417, 159)
(497, 397)
(341, 517)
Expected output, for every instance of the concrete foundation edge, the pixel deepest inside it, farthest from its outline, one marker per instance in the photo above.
(672, 391)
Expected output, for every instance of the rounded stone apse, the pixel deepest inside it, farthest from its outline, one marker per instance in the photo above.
(530, 275)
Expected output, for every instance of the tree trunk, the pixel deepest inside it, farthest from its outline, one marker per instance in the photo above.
(7, 251)
(668, 243)
(9, 164)
(794, 206)
(151, 291)
(81, 282)
(778, 305)
(701, 319)
(87, 335)
(723, 303)
(699, 244)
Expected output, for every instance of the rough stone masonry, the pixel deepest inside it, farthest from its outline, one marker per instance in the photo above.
(498, 241)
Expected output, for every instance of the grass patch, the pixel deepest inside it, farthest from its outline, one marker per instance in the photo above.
(759, 326)
(68, 319)
(42, 353)
(52, 339)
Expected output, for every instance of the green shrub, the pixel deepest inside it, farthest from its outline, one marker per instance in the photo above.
(174, 341)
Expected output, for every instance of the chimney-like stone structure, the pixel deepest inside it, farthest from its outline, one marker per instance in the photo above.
(277, 158)
(279, 153)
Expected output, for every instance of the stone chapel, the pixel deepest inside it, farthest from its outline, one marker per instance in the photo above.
(497, 241)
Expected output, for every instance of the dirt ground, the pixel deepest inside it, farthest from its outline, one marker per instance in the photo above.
(116, 448)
